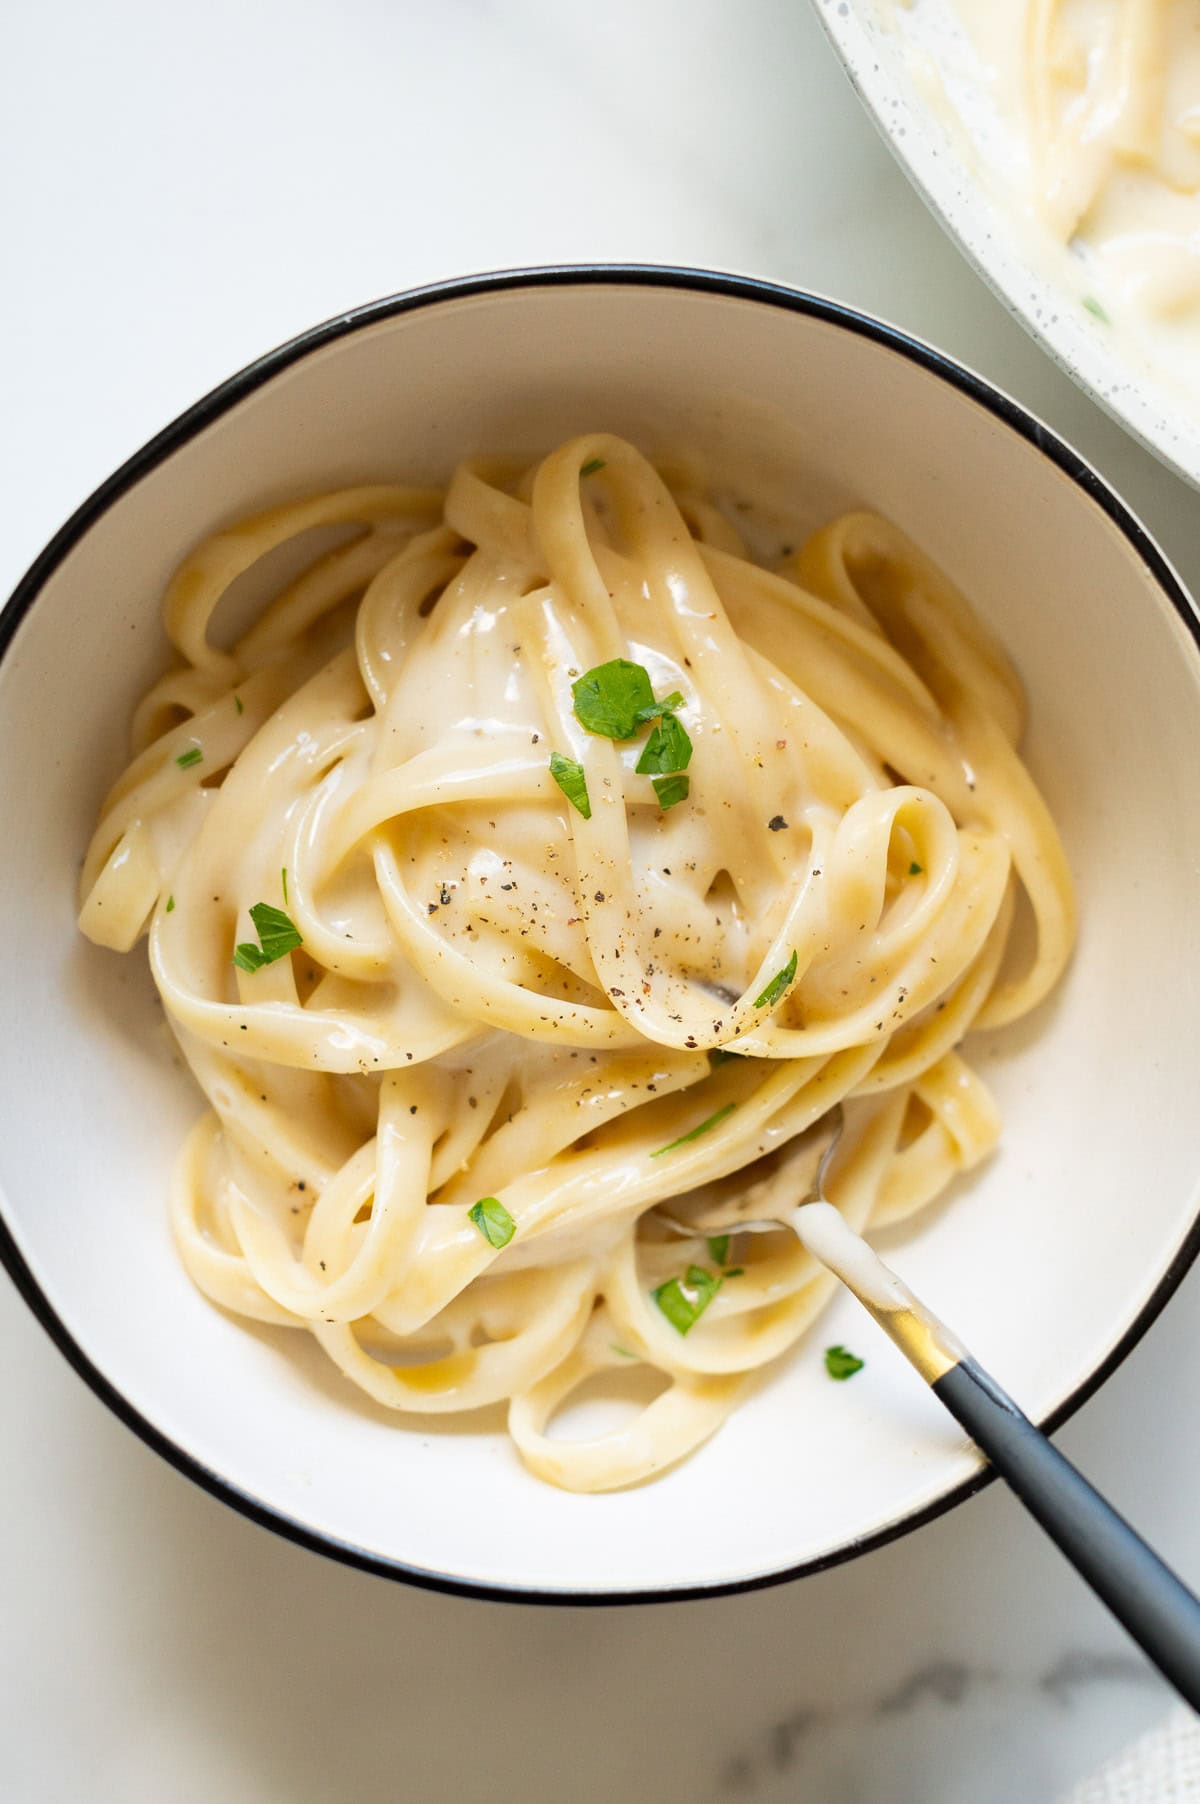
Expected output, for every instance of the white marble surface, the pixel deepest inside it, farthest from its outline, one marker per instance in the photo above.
(185, 187)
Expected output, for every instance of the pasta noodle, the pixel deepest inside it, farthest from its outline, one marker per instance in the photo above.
(473, 989)
(1099, 106)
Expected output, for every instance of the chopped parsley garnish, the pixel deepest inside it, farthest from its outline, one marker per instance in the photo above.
(656, 710)
(735, 1271)
(622, 1352)
(283, 880)
(840, 1363)
(667, 750)
(778, 985)
(609, 697)
(277, 933)
(695, 1133)
(718, 1248)
(239, 704)
(684, 1300)
(915, 869)
(571, 780)
(614, 700)
(192, 756)
(1096, 310)
(493, 1221)
(591, 466)
(721, 1055)
(670, 790)
(170, 904)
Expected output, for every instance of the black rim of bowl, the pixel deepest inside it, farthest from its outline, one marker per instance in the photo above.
(217, 403)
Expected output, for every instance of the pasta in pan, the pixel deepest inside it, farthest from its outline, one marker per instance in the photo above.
(1085, 116)
(539, 859)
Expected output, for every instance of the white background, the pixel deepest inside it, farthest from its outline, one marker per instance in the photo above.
(182, 189)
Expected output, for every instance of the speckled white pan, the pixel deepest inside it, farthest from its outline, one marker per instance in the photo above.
(1043, 289)
(1050, 1261)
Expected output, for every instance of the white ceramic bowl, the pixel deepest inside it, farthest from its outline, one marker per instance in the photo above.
(1037, 279)
(1051, 1261)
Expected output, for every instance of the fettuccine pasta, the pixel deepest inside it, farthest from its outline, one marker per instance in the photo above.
(540, 865)
(1086, 115)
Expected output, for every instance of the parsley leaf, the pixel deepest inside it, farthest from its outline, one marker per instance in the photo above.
(778, 985)
(249, 957)
(192, 756)
(695, 1133)
(239, 704)
(277, 933)
(841, 1364)
(283, 880)
(670, 790)
(170, 904)
(608, 697)
(684, 1300)
(571, 780)
(667, 750)
(591, 466)
(1096, 310)
(656, 710)
(718, 1248)
(493, 1221)
(721, 1055)
(914, 869)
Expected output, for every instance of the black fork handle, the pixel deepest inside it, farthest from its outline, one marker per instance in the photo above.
(1142, 1592)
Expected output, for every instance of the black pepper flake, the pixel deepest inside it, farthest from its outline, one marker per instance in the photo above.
(412, 1108)
(301, 1185)
(599, 896)
(445, 895)
(776, 823)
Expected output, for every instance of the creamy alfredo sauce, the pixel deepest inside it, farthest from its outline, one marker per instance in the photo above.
(1086, 114)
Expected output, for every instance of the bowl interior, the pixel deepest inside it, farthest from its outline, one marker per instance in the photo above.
(889, 52)
(1043, 1260)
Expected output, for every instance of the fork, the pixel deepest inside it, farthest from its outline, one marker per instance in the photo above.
(1141, 1591)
